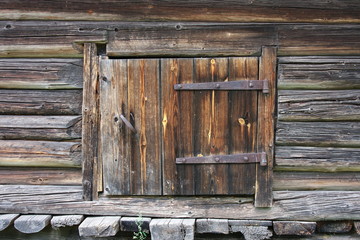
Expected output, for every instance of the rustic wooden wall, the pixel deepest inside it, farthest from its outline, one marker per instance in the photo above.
(318, 129)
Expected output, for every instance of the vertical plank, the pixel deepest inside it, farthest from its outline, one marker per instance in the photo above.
(114, 134)
(90, 121)
(242, 124)
(143, 103)
(266, 109)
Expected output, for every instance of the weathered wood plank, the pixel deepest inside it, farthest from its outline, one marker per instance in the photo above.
(6, 220)
(294, 228)
(90, 123)
(319, 134)
(18, 153)
(99, 227)
(265, 128)
(32, 223)
(129, 224)
(226, 11)
(288, 205)
(219, 226)
(336, 105)
(180, 229)
(40, 73)
(323, 73)
(40, 102)
(40, 127)
(317, 159)
(40, 176)
(66, 221)
(169, 39)
(294, 181)
(357, 227)
(334, 227)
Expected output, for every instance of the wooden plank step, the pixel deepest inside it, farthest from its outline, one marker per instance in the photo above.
(6, 220)
(218, 226)
(294, 228)
(66, 221)
(32, 223)
(334, 227)
(172, 229)
(99, 226)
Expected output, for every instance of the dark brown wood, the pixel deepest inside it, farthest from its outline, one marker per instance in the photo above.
(221, 159)
(19, 153)
(266, 124)
(40, 127)
(310, 105)
(298, 181)
(294, 228)
(322, 159)
(90, 114)
(329, 205)
(40, 73)
(227, 11)
(319, 134)
(40, 102)
(334, 227)
(321, 73)
(233, 85)
(36, 176)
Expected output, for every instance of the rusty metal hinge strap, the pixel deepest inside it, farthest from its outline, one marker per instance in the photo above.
(235, 158)
(231, 85)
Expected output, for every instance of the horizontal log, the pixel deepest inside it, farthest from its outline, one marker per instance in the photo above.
(317, 159)
(318, 134)
(45, 176)
(210, 10)
(40, 127)
(315, 105)
(319, 73)
(40, 102)
(40, 73)
(18, 153)
(295, 181)
(288, 205)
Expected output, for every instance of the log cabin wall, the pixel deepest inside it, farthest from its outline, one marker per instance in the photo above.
(317, 130)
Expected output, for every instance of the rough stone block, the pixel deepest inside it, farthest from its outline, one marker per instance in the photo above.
(334, 227)
(212, 226)
(172, 229)
(294, 228)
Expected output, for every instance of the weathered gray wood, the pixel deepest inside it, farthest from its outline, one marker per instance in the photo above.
(220, 226)
(40, 127)
(253, 232)
(334, 227)
(44, 102)
(32, 223)
(294, 228)
(99, 226)
(90, 112)
(40, 73)
(39, 154)
(250, 223)
(288, 205)
(336, 105)
(6, 220)
(357, 227)
(317, 159)
(323, 73)
(319, 134)
(349, 181)
(226, 11)
(176, 229)
(45, 176)
(129, 224)
(66, 221)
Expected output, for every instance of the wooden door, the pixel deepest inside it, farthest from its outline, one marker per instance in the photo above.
(148, 126)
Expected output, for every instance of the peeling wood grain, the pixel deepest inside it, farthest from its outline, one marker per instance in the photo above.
(226, 11)
(320, 159)
(310, 105)
(40, 102)
(40, 73)
(19, 153)
(319, 134)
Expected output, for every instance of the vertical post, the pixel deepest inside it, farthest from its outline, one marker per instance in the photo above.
(265, 133)
(90, 119)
